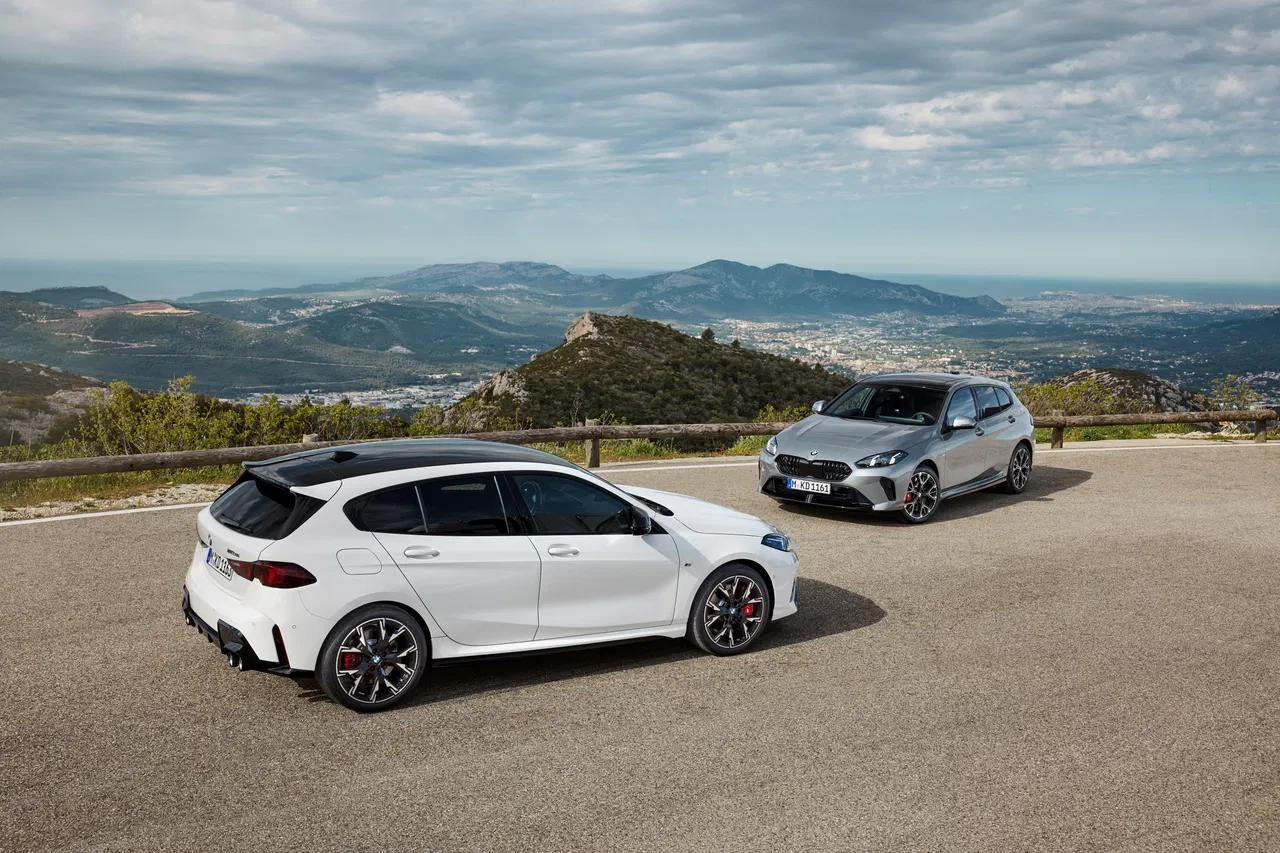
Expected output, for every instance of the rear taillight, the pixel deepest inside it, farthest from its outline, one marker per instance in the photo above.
(281, 575)
(243, 569)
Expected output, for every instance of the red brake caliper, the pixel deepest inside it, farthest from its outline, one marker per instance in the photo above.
(350, 660)
(749, 609)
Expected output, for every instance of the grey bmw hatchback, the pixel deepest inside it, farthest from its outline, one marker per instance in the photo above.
(903, 443)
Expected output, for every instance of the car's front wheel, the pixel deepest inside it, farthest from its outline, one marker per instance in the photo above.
(730, 611)
(374, 659)
(922, 497)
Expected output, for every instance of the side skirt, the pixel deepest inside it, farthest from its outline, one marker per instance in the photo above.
(445, 651)
(966, 488)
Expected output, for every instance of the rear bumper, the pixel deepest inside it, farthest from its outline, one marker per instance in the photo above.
(269, 629)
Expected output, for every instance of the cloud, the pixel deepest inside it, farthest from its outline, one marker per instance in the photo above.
(574, 105)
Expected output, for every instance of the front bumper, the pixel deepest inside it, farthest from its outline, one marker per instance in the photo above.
(866, 489)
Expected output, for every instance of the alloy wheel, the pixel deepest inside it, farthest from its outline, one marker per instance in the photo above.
(376, 660)
(922, 495)
(1020, 468)
(733, 612)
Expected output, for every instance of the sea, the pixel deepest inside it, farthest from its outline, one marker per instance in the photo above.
(174, 280)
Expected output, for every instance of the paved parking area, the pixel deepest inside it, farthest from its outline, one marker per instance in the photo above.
(1092, 666)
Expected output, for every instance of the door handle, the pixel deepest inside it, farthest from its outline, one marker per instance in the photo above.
(420, 552)
(562, 551)
(1012, 419)
(979, 431)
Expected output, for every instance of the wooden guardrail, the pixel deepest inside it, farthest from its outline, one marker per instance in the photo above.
(591, 435)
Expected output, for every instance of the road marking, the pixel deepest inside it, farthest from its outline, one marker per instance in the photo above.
(77, 515)
(1051, 454)
(1206, 446)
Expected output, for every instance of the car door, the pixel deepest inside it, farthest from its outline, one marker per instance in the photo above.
(472, 566)
(596, 576)
(964, 454)
(997, 426)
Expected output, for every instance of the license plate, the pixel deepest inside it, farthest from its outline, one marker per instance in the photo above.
(809, 486)
(218, 563)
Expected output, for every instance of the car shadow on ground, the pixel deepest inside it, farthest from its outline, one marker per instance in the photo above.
(825, 610)
(1045, 483)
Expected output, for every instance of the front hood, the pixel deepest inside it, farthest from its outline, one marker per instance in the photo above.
(703, 516)
(827, 434)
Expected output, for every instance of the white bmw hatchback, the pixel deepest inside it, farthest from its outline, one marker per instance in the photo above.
(364, 564)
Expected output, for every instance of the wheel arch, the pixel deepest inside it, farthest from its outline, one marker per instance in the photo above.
(764, 573)
(411, 610)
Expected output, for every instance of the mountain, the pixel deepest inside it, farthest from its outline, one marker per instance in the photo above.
(645, 372)
(728, 289)
(149, 350)
(440, 332)
(1249, 345)
(713, 290)
(71, 297)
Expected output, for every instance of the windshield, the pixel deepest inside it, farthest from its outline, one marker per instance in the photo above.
(896, 403)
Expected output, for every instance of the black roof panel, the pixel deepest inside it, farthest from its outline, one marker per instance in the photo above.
(326, 464)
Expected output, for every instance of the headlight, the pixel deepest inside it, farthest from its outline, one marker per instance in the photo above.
(776, 540)
(771, 447)
(882, 460)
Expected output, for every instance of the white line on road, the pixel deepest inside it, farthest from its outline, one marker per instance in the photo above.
(1039, 450)
(100, 514)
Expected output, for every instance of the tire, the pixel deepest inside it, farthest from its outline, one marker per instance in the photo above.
(735, 625)
(385, 630)
(923, 497)
(1015, 483)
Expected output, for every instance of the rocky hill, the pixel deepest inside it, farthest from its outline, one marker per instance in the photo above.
(34, 398)
(645, 372)
(1140, 391)
(72, 297)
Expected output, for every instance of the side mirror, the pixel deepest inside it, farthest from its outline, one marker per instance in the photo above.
(819, 406)
(641, 523)
(961, 422)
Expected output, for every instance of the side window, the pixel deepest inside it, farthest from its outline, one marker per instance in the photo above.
(1003, 396)
(566, 505)
(988, 405)
(392, 511)
(463, 506)
(961, 404)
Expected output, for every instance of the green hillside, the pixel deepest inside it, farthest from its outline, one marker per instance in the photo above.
(72, 297)
(646, 372)
(29, 378)
(439, 332)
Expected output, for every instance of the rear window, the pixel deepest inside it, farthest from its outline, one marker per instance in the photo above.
(466, 506)
(392, 511)
(262, 510)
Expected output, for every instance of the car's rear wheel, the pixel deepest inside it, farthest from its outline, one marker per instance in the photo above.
(922, 497)
(1015, 483)
(730, 611)
(374, 659)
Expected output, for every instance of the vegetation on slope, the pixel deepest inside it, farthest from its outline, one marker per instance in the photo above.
(641, 371)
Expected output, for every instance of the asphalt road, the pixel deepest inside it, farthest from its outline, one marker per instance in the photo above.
(1092, 666)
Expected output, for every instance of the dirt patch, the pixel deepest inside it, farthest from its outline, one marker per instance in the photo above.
(185, 493)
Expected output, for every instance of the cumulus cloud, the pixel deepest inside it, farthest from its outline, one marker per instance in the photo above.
(495, 101)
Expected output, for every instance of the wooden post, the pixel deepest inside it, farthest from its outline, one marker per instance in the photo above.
(593, 446)
(1260, 432)
(311, 438)
(1055, 438)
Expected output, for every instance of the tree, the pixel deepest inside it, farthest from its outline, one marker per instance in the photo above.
(708, 334)
(737, 344)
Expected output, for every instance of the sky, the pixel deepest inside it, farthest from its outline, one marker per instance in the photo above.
(1116, 138)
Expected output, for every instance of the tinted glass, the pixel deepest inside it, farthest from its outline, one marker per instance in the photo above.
(392, 511)
(1003, 396)
(463, 506)
(563, 506)
(904, 404)
(962, 404)
(988, 405)
(262, 510)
